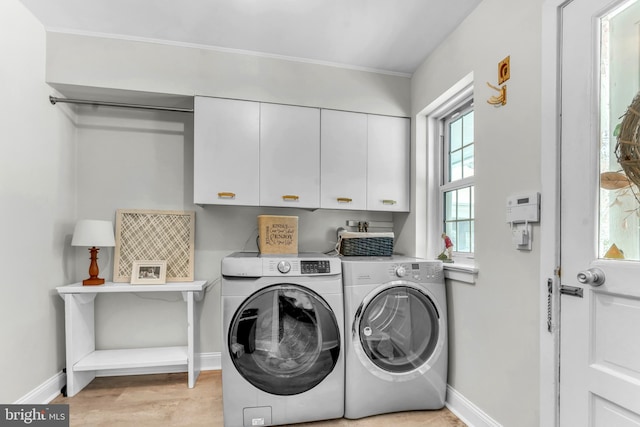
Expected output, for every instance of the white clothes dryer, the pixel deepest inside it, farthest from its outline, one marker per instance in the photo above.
(283, 323)
(396, 342)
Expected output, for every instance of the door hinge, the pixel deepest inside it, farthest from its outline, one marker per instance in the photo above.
(573, 291)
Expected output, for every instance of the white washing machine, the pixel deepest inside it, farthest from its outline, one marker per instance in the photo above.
(396, 342)
(283, 323)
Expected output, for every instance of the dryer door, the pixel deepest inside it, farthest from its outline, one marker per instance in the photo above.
(284, 339)
(398, 329)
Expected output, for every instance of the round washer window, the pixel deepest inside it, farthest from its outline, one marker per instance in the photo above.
(399, 329)
(284, 339)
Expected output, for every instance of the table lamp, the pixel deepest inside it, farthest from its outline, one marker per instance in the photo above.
(93, 233)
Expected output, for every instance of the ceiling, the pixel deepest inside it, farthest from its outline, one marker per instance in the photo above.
(391, 36)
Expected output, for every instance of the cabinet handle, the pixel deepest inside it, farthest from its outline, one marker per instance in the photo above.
(290, 198)
(344, 200)
(225, 195)
(389, 202)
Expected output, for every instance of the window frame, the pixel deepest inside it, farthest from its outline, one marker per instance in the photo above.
(445, 184)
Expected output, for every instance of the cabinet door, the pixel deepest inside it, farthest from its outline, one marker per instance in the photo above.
(343, 166)
(226, 152)
(388, 164)
(289, 156)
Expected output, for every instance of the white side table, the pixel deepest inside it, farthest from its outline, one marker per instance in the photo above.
(83, 360)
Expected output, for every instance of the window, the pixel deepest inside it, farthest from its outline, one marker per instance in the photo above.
(457, 179)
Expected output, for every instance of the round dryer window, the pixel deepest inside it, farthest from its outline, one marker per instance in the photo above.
(284, 339)
(398, 329)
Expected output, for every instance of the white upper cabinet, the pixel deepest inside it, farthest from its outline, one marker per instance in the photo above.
(343, 160)
(388, 165)
(289, 156)
(226, 152)
(258, 154)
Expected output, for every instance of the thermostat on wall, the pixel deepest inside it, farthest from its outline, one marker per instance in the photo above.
(523, 208)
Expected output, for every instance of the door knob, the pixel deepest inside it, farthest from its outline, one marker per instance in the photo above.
(593, 276)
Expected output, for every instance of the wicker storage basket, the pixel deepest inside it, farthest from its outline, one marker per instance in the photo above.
(366, 244)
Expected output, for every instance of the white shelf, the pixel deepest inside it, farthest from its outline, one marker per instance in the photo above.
(111, 287)
(133, 358)
(84, 362)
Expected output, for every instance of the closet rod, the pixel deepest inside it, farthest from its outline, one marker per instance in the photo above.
(55, 100)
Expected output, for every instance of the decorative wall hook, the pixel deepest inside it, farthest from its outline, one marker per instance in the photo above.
(501, 99)
(504, 70)
(504, 73)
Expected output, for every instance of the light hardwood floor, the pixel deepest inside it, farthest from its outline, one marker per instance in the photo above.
(165, 400)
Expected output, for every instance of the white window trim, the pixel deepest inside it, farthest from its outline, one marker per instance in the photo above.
(452, 115)
(463, 269)
(465, 104)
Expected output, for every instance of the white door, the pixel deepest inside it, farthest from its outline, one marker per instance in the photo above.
(600, 330)
(388, 180)
(289, 156)
(226, 149)
(343, 160)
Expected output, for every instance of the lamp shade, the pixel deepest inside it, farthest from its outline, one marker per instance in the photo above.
(93, 232)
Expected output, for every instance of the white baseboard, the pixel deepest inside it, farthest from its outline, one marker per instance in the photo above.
(45, 392)
(469, 413)
(211, 361)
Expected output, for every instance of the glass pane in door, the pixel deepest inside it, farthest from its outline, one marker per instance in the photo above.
(620, 152)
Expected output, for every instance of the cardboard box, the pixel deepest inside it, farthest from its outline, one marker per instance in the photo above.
(278, 234)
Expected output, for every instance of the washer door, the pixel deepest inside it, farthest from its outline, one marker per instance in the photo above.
(284, 339)
(398, 329)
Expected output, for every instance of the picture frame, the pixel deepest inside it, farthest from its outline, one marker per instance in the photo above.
(147, 272)
(155, 235)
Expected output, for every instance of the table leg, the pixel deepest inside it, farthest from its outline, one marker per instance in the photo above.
(194, 364)
(80, 338)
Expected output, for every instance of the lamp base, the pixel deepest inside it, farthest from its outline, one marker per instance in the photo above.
(93, 270)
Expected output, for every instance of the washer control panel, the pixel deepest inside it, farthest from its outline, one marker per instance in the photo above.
(253, 264)
(300, 267)
(284, 267)
(307, 267)
(315, 267)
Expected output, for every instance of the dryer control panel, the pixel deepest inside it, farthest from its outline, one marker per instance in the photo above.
(371, 270)
(418, 271)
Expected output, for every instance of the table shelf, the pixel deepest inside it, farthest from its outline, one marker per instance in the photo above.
(133, 358)
(84, 362)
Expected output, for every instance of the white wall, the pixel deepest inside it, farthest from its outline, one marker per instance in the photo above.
(37, 189)
(494, 324)
(161, 68)
(146, 159)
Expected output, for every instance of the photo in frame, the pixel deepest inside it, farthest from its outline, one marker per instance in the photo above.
(149, 272)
